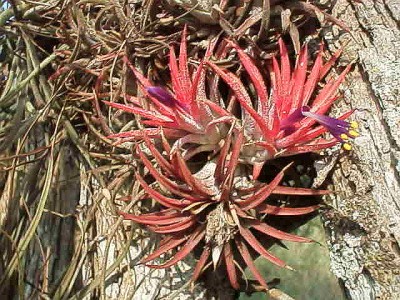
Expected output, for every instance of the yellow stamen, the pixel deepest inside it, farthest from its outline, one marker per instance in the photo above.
(344, 136)
(354, 124)
(354, 133)
(347, 146)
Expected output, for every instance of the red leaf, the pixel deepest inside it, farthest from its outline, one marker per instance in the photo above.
(182, 225)
(285, 66)
(163, 214)
(249, 261)
(143, 80)
(243, 97)
(276, 233)
(198, 86)
(161, 219)
(276, 81)
(328, 65)
(189, 179)
(316, 146)
(256, 79)
(321, 103)
(230, 266)
(299, 75)
(285, 190)
(163, 200)
(312, 78)
(257, 167)
(195, 238)
(286, 211)
(164, 247)
(162, 162)
(216, 108)
(251, 239)
(150, 132)
(140, 111)
(263, 192)
(198, 92)
(154, 123)
(230, 170)
(175, 75)
(167, 183)
(268, 146)
(186, 84)
(200, 264)
(234, 157)
(220, 168)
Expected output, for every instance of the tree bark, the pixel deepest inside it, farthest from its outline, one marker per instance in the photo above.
(364, 226)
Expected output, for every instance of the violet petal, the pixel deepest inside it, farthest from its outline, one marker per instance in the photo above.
(161, 95)
(327, 121)
(335, 126)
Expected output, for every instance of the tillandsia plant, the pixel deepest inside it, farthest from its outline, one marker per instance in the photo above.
(221, 206)
(291, 118)
(287, 121)
(213, 208)
(184, 114)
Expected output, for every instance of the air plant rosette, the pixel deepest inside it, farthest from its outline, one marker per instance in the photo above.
(220, 206)
(185, 115)
(217, 207)
(289, 119)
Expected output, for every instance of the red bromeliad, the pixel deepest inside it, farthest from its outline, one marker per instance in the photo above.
(220, 207)
(213, 208)
(291, 118)
(184, 114)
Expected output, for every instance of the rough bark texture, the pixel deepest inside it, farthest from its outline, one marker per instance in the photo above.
(364, 225)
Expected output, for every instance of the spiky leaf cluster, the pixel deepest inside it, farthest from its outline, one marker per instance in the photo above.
(221, 206)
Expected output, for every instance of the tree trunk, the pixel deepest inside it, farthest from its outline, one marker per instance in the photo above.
(364, 226)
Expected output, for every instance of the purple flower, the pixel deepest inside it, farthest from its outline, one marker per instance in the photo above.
(162, 95)
(340, 129)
